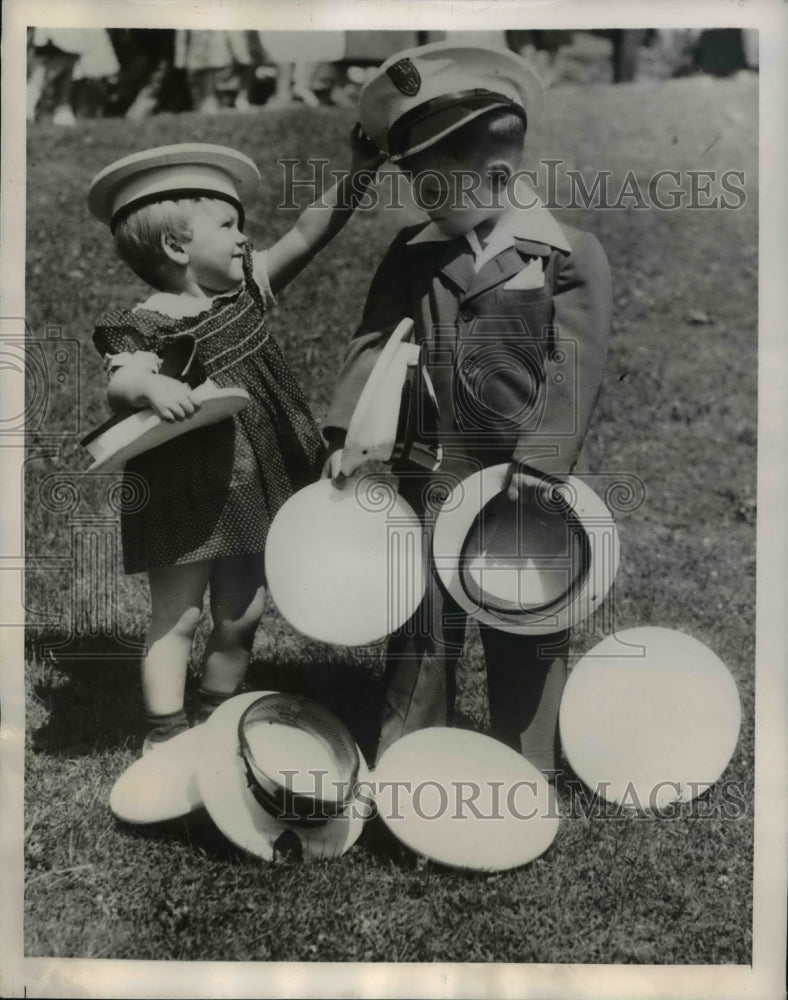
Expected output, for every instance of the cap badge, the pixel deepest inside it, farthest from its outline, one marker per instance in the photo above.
(405, 77)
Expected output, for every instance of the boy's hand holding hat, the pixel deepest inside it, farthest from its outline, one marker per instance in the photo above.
(517, 480)
(423, 94)
(534, 568)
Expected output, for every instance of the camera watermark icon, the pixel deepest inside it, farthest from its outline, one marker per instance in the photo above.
(42, 391)
(504, 379)
(88, 566)
(40, 409)
(93, 564)
(40, 396)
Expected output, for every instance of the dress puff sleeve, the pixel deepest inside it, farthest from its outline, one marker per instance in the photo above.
(256, 274)
(121, 343)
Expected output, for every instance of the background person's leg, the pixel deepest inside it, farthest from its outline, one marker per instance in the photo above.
(62, 82)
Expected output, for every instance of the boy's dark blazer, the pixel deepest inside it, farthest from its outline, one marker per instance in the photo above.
(516, 370)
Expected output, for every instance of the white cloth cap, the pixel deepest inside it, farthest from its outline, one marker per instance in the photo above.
(421, 95)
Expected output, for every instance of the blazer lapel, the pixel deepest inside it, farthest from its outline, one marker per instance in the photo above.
(454, 260)
(535, 249)
(505, 265)
(496, 270)
(451, 258)
(458, 265)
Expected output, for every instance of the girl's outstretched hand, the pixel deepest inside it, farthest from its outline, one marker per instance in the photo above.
(365, 155)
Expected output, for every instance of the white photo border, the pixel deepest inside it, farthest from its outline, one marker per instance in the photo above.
(102, 978)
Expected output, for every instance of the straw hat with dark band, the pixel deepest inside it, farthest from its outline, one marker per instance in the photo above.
(261, 793)
(557, 528)
(186, 170)
(534, 566)
(267, 787)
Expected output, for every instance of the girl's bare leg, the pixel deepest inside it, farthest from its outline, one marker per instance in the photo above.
(237, 599)
(176, 605)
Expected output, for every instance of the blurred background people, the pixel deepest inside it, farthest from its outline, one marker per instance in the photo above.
(147, 81)
(542, 48)
(219, 67)
(137, 72)
(297, 55)
(59, 58)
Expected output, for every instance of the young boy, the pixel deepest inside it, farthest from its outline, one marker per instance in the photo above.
(501, 295)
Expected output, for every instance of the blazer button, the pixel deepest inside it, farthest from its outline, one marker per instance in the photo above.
(466, 314)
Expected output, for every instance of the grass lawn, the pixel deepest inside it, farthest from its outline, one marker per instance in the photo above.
(678, 410)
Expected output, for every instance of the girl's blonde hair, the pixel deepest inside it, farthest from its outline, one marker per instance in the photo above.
(138, 237)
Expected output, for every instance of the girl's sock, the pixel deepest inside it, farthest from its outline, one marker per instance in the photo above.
(207, 701)
(163, 728)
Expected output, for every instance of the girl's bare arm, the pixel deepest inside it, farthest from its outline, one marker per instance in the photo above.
(320, 222)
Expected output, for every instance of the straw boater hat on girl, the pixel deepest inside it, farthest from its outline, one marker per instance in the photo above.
(189, 169)
(124, 437)
(421, 95)
(539, 565)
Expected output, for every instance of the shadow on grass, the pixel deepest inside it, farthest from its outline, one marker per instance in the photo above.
(378, 839)
(197, 830)
(91, 697)
(93, 700)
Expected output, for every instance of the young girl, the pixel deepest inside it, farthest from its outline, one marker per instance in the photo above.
(177, 217)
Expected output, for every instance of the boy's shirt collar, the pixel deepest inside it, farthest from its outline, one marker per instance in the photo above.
(528, 223)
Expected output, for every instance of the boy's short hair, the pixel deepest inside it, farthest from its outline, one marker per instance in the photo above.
(495, 133)
(138, 237)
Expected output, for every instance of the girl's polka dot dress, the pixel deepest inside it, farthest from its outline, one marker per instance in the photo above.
(213, 492)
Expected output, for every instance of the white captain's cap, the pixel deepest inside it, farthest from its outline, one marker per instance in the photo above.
(421, 95)
(179, 171)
